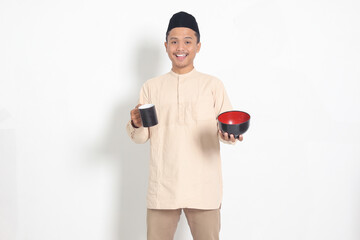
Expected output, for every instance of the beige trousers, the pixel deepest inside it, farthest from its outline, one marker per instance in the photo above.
(204, 224)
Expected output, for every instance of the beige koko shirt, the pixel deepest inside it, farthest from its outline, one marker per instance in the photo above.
(185, 166)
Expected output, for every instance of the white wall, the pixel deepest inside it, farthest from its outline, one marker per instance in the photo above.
(70, 72)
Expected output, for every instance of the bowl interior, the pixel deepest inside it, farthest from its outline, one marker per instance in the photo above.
(234, 117)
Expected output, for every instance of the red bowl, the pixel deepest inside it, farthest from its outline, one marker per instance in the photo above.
(234, 122)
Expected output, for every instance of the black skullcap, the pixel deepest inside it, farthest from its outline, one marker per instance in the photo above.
(183, 19)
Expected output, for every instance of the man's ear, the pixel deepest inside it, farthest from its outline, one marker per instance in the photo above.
(165, 44)
(198, 47)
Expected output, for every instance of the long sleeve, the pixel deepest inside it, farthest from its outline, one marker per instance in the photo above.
(222, 104)
(141, 134)
(137, 135)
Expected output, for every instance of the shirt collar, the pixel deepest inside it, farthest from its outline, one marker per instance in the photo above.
(183, 75)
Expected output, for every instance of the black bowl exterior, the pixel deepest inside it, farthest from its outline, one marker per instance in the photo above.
(235, 129)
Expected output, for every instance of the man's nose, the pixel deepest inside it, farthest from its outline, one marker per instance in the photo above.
(180, 46)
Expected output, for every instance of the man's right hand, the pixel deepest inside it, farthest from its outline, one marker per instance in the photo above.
(135, 117)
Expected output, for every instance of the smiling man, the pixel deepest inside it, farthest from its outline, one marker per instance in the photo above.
(185, 165)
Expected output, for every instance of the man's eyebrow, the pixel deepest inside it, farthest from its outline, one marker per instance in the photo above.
(178, 38)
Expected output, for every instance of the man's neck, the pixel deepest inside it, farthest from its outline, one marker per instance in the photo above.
(182, 70)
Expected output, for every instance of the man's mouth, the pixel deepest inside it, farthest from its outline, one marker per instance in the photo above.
(181, 56)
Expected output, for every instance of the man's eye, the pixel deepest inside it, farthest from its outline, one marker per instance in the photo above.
(187, 42)
(173, 42)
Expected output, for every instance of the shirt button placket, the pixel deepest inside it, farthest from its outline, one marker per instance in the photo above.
(180, 100)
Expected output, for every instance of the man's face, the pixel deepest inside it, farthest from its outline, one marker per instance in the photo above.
(182, 48)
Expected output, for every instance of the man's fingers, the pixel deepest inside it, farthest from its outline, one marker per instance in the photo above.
(229, 137)
(137, 123)
(226, 136)
(222, 135)
(135, 116)
(135, 112)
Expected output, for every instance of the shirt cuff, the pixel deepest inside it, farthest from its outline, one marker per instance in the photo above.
(138, 135)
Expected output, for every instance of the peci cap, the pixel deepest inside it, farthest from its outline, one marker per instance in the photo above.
(183, 19)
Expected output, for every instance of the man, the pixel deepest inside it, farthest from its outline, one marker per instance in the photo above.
(185, 167)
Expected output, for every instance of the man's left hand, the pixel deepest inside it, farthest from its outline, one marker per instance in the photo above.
(226, 137)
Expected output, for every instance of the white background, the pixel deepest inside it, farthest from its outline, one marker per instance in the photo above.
(70, 72)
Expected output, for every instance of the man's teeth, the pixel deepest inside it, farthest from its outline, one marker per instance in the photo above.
(180, 55)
